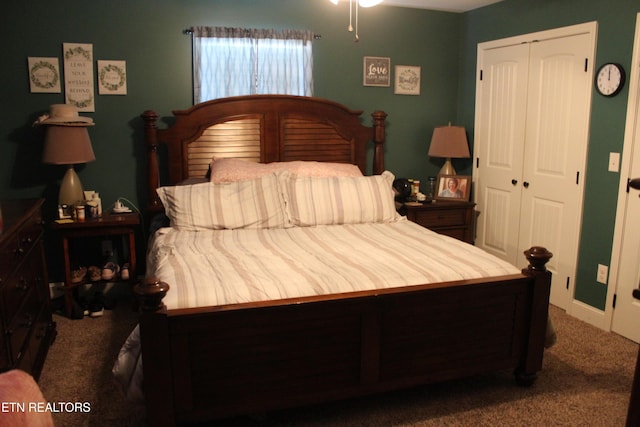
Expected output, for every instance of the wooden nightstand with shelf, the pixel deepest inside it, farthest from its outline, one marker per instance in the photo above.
(453, 219)
(74, 235)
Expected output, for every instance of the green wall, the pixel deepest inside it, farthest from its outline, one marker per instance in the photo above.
(616, 24)
(148, 35)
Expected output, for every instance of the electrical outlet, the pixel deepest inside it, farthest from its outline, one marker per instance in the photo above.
(107, 248)
(603, 273)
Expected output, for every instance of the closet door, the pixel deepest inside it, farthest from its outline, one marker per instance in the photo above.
(532, 114)
(555, 155)
(499, 149)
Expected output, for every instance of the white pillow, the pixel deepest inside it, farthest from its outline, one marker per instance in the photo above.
(255, 203)
(230, 169)
(339, 200)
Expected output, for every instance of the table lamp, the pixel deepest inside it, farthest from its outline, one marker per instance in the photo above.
(67, 143)
(449, 142)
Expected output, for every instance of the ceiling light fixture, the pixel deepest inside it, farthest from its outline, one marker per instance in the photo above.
(358, 3)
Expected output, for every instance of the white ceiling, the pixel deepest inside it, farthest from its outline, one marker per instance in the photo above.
(444, 5)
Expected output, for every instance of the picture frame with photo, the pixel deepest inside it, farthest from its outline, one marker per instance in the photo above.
(453, 188)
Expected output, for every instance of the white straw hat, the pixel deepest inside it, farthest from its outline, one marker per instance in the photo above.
(64, 115)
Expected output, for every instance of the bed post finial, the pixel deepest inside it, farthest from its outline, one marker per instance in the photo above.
(538, 258)
(378, 139)
(150, 294)
(153, 175)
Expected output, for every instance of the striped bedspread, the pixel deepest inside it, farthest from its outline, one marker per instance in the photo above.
(207, 268)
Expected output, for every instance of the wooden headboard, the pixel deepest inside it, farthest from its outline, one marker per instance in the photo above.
(260, 128)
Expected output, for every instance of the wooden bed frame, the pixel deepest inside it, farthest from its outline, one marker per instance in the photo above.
(215, 362)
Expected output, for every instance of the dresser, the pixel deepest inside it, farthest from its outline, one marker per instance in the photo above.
(454, 219)
(25, 307)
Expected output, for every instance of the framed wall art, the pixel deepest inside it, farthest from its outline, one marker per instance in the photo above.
(44, 75)
(112, 77)
(78, 76)
(407, 80)
(376, 71)
(453, 187)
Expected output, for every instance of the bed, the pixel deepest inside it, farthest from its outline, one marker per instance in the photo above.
(243, 349)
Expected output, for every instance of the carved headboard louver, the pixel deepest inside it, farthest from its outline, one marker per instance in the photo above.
(264, 128)
(236, 138)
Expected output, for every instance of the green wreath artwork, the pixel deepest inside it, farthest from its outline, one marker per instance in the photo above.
(78, 50)
(41, 83)
(110, 69)
(408, 80)
(83, 103)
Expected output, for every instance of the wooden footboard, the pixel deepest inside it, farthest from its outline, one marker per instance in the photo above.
(215, 362)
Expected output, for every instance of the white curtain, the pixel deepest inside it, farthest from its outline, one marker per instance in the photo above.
(239, 61)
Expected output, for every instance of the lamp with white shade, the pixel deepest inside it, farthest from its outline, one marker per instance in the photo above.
(449, 142)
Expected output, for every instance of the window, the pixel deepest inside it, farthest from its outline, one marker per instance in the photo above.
(238, 61)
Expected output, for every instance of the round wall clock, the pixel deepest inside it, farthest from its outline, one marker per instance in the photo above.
(610, 79)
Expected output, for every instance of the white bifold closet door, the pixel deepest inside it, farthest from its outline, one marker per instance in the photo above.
(532, 116)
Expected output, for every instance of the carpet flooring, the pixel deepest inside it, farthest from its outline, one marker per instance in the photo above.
(585, 381)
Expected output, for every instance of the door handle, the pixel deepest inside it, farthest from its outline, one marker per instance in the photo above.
(525, 184)
(514, 181)
(634, 183)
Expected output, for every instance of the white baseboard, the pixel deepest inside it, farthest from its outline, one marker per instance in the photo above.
(588, 314)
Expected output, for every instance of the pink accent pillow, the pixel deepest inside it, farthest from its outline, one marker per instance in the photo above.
(230, 169)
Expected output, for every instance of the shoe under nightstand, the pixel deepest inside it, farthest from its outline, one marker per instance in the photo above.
(72, 234)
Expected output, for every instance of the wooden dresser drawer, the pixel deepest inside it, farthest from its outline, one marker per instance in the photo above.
(25, 310)
(28, 278)
(441, 217)
(15, 292)
(453, 219)
(22, 325)
(16, 246)
(29, 235)
(36, 344)
(9, 255)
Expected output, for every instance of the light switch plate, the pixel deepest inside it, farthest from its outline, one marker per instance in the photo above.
(603, 272)
(614, 162)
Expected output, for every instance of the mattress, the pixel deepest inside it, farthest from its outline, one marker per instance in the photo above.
(209, 268)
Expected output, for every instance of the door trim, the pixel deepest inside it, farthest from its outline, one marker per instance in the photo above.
(633, 104)
(572, 30)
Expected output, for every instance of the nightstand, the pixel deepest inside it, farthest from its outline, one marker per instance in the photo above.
(73, 235)
(454, 219)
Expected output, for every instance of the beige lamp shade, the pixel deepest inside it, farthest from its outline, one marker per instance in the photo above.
(68, 145)
(449, 142)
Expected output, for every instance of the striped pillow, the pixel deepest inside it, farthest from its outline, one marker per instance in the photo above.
(255, 203)
(338, 200)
